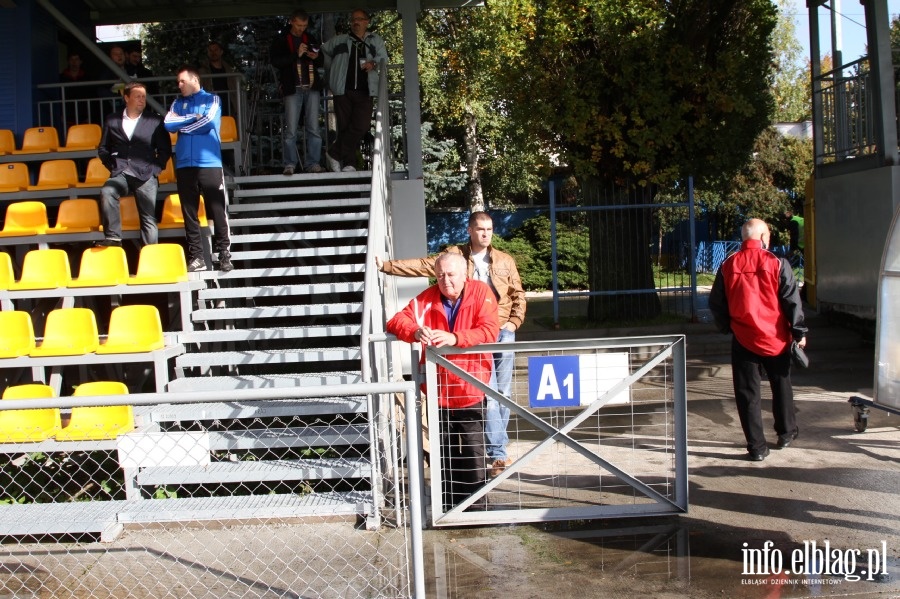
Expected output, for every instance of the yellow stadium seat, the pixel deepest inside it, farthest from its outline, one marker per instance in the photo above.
(96, 175)
(228, 130)
(69, 332)
(173, 218)
(44, 269)
(133, 329)
(167, 175)
(39, 139)
(160, 263)
(29, 426)
(7, 274)
(16, 334)
(131, 219)
(82, 137)
(14, 177)
(79, 215)
(101, 267)
(25, 218)
(96, 423)
(7, 142)
(56, 174)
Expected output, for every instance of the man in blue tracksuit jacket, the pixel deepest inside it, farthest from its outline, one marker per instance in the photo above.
(196, 117)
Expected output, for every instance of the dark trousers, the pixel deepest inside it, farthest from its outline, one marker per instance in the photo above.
(353, 115)
(462, 452)
(746, 366)
(191, 182)
(144, 198)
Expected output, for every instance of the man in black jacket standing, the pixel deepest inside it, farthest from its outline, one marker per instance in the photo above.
(295, 53)
(135, 148)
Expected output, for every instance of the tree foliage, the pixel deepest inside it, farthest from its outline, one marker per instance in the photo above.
(791, 88)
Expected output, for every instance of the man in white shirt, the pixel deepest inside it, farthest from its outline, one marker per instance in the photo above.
(135, 148)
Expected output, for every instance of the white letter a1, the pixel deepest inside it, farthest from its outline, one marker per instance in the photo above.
(548, 385)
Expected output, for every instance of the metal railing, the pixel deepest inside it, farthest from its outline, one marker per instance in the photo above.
(848, 104)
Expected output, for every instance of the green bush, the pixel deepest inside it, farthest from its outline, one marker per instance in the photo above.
(530, 246)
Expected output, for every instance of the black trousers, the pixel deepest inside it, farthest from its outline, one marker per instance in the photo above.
(462, 452)
(353, 116)
(191, 182)
(746, 366)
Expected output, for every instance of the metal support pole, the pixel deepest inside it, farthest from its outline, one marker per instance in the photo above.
(416, 492)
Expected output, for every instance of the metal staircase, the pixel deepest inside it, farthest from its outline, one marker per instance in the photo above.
(289, 315)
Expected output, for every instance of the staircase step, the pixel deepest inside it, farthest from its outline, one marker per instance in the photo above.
(297, 236)
(237, 410)
(264, 334)
(268, 192)
(301, 180)
(306, 204)
(247, 507)
(306, 219)
(284, 271)
(258, 471)
(280, 438)
(218, 383)
(281, 356)
(280, 291)
(211, 314)
(305, 252)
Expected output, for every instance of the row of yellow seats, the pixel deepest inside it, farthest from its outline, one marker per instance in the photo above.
(82, 215)
(46, 139)
(63, 174)
(73, 332)
(93, 423)
(100, 267)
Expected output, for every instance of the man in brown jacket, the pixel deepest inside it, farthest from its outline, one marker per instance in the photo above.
(498, 270)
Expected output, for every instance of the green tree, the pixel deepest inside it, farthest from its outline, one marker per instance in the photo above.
(641, 94)
(791, 87)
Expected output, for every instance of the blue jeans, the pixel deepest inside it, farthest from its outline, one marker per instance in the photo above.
(497, 415)
(305, 101)
(145, 199)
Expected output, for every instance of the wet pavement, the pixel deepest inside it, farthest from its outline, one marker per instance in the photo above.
(817, 519)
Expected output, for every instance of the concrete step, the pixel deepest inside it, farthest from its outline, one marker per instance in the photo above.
(218, 383)
(280, 438)
(301, 180)
(256, 471)
(270, 334)
(298, 253)
(280, 291)
(304, 220)
(360, 199)
(294, 237)
(240, 410)
(213, 314)
(284, 271)
(238, 358)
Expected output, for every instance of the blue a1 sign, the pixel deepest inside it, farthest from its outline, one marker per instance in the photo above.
(568, 381)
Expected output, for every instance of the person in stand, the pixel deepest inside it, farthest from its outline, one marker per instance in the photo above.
(136, 69)
(76, 112)
(755, 297)
(134, 147)
(295, 53)
(456, 312)
(112, 92)
(498, 269)
(196, 118)
(352, 61)
(224, 87)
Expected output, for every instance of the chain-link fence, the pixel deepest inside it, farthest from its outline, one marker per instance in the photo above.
(597, 429)
(256, 494)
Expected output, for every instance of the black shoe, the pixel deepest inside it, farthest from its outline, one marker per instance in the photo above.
(759, 457)
(197, 265)
(108, 243)
(225, 264)
(786, 440)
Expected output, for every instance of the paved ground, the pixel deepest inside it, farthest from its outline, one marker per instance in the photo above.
(834, 485)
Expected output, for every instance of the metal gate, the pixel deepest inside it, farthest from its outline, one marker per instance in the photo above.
(597, 430)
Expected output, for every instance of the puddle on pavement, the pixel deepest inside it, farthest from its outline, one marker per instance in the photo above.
(659, 558)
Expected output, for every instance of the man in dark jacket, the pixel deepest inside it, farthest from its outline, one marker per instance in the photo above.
(755, 297)
(295, 53)
(134, 147)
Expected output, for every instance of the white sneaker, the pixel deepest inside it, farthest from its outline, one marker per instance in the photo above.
(288, 170)
(348, 169)
(333, 164)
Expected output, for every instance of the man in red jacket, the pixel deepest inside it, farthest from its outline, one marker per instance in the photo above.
(460, 312)
(755, 296)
